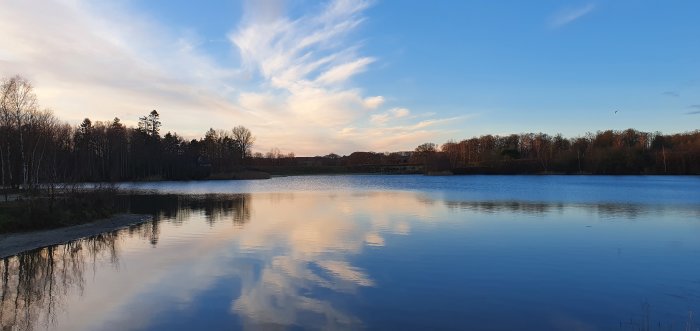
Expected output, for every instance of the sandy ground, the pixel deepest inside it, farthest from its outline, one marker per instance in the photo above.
(12, 244)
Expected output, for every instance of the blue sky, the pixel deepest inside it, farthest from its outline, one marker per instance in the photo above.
(314, 77)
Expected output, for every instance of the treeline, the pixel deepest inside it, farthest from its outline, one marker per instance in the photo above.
(605, 152)
(36, 147)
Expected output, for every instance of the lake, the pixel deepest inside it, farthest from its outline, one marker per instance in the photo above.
(377, 253)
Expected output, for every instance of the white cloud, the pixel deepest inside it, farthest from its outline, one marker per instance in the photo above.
(346, 131)
(399, 112)
(342, 72)
(293, 86)
(379, 119)
(304, 65)
(100, 60)
(374, 102)
(288, 51)
(383, 118)
(569, 15)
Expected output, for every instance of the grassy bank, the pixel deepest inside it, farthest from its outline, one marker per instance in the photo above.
(42, 210)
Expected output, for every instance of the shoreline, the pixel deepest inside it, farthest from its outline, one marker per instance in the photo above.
(278, 175)
(15, 243)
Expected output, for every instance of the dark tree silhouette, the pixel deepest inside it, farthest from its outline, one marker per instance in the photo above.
(35, 147)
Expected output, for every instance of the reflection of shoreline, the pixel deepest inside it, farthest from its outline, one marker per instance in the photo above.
(12, 244)
(35, 284)
(602, 209)
(220, 206)
(274, 260)
(177, 207)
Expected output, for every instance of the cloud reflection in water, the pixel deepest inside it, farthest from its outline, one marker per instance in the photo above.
(263, 260)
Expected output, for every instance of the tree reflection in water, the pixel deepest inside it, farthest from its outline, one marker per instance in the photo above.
(178, 208)
(36, 283)
(604, 210)
(294, 265)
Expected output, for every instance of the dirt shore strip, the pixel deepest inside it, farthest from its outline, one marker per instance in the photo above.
(14, 243)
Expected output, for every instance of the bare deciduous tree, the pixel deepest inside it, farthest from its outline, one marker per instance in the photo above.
(19, 101)
(243, 139)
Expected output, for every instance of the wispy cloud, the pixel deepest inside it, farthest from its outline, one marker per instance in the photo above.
(97, 59)
(412, 131)
(343, 72)
(671, 94)
(306, 65)
(383, 118)
(374, 102)
(294, 85)
(570, 15)
(694, 112)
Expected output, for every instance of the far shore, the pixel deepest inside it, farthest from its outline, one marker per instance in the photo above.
(270, 175)
(15, 243)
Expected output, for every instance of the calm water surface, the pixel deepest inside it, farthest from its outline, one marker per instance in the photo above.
(379, 253)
